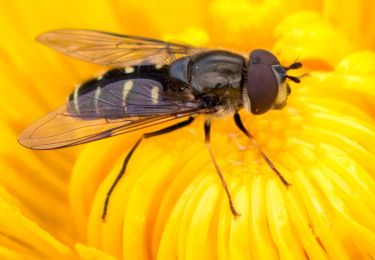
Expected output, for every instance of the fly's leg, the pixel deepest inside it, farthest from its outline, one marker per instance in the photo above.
(237, 120)
(129, 155)
(207, 128)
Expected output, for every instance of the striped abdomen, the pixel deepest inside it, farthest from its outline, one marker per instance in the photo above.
(122, 92)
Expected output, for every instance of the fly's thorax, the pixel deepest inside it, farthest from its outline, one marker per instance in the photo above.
(216, 78)
(209, 70)
(222, 101)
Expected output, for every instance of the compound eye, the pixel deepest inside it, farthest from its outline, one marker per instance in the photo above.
(263, 56)
(262, 83)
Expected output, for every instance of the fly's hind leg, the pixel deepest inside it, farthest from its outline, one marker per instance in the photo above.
(207, 128)
(129, 155)
(237, 120)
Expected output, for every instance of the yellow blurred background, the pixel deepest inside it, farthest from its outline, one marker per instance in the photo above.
(46, 213)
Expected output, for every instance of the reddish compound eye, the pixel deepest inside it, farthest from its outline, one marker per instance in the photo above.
(262, 82)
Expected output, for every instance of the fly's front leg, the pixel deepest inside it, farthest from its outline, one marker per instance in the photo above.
(207, 128)
(129, 155)
(237, 120)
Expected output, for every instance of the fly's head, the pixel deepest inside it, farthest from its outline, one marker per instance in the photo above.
(267, 82)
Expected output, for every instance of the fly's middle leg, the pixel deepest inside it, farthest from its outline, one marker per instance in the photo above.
(207, 128)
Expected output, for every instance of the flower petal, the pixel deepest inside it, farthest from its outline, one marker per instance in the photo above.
(305, 35)
(23, 237)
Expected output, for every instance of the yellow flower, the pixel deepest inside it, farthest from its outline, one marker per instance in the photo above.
(171, 203)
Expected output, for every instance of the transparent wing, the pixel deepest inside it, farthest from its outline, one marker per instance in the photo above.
(113, 49)
(59, 130)
(113, 111)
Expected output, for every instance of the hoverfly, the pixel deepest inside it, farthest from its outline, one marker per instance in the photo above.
(154, 82)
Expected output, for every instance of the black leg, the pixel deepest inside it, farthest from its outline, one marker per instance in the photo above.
(237, 120)
(207, 128)
(129, 155)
